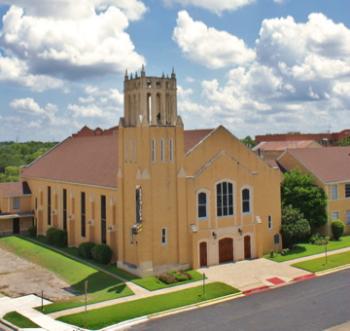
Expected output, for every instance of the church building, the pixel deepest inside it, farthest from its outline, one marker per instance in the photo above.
(160, 196)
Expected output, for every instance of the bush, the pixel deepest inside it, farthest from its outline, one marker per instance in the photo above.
(337, 229)
(167, 278)
(318, 239)
(272, 254)
(84, 250)
(181, 276)
(56, 237)
(295, 228)
(102, 253)
(32, 231)
(284, 251)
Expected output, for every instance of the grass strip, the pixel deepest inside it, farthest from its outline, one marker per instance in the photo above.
(102, 317)
(19, 320)
(320, 264)
(306, 249)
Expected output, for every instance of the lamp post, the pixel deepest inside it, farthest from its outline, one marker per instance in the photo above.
(86, 289)
(203, 284)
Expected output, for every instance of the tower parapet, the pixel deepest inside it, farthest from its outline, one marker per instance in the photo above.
(150, 100)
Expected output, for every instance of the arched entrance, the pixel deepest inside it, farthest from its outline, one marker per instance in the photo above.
(203, 254)
(225, 250)
(247, 248)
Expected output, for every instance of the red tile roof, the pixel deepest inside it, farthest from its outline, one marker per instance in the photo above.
(90, 157)
(14, 189)
(283, 145)
(329, 164)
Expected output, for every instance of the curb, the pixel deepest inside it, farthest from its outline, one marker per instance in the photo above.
(332, 270)
(257, 290)
(305, 277)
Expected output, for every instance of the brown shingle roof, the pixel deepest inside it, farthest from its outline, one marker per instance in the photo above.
(329, 164)
(283, 145)
(14, 189)
(90, 157)
(193, 137)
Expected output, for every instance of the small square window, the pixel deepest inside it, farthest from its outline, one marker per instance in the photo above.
(335, 215)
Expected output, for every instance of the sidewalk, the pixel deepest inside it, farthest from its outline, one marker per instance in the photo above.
(311, 257)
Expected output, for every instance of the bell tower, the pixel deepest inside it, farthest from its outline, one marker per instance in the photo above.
(150, 101)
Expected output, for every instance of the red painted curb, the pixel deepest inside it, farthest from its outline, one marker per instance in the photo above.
(305, 277)
(256, 290)
(276, 281)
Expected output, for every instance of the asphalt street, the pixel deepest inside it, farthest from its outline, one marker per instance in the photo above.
(312, 305)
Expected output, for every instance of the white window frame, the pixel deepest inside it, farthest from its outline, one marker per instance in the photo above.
(348, 217)
(346, 197)
(162, 150)
(171, 149)
(154, 150)
(335, 213)
(206, 205)
(164, 236)
(16, 203)
(269, 222)
(334, 192)
(233, 198)
(250, 199)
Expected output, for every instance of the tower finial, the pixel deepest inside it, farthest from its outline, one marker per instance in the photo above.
(143, 72)
(173, 75)
(126, 77)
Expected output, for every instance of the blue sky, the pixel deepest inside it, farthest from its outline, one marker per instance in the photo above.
(256, 67)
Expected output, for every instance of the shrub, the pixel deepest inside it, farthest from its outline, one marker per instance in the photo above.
(272, 254)
(32, 231)
(84, 250)
(56, 237)
(284, 251)
(337, 229)
(181, 276)
(167, 278)
(295, 228)
(102, 253)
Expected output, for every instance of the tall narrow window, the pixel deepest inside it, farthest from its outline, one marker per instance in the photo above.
(83, 214)
(138, 198)
(348, 217)
(269, 222)
(162, 150)
(64, 211)
(153, 150)
(224, 199)
(246, 200)
(334, 192)
(49, 205)
(36, 203)
(16, 203)
(164, 236)
(103, 220)
(202, 205)
(347, 190)
(149, 108)
(171, 149)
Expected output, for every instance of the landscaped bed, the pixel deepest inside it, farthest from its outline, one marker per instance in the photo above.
(301, 250)
(321, 264)
(19, 320)
(101, 286)
(102, 317)
(153, 283)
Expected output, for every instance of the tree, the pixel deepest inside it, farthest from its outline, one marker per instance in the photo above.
(248, 141)
(295, 228)
(344, 142)
(300, 191)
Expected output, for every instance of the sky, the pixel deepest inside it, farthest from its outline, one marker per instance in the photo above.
(254, 66)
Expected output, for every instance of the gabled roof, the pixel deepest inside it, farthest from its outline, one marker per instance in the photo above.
(16, 189)
(90, 157)
(329, 164)
(283, 145)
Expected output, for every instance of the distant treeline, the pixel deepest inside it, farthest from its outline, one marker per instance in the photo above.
(14, 155)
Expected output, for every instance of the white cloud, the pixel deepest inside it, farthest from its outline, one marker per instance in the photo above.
(71, 48)
(209, 46)
(85, 111)
(216, 6)
(27, 105)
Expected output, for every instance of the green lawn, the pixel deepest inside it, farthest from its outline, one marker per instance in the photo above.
(302, 250)
(19, 320)
(152, 283)
(102, 317)
(320, 264)
(101, 286)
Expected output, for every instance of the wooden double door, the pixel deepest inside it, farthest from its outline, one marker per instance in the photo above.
(225, 250)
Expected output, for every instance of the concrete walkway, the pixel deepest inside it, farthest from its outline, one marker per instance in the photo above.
(248, 275)
(305, 258)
